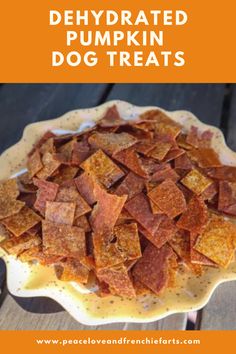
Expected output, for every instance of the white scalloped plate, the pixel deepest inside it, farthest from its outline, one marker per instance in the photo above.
(86, 307)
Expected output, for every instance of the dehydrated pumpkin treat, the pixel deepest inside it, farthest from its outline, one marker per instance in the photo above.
(196, 181)
(100, 166)
(46, 191)
(217, 241)
(106, 211)
(169, 198)
(195, 217)
(17, 245)
(63, 240)
(9, 205)
(61, 213)
(118, 280)
(50, 165)
(111, 143)
(72, 270)
(125, 204)
(21, 222)
(69, 194)
(153, 269)
(130, 159)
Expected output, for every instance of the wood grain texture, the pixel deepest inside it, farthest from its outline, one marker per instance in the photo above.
(219, 313)
(22, 104)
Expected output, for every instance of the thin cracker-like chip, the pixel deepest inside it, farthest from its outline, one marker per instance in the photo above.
(68, 194)
(85, 186)
(72, 270)
(47, 191)
(130, 159)
(181, 245)
(225, 173)
(118, 280)
(195, 256)
(81, 151)
(183, 162)
(173, 154)
(100, 166)
(198, 139)
(192, 137)
(36, 254)
(164, 233)
(149, 165)
(195, 217)
(163, 172)
(9, 191)
(182, 143)
(196, 181)
(153, 268)
(4, 233)
(154, 207)
(105, 251)
(10, 207)
(34, 163)
(163, 124)
(107, 210)
(66, 151)
(50, 165)
(111, 118)
(83, 223)
(140, 209)
(210, 192)
(169, 198)
(227, 197)
(145, 146)
(63, 240)
(124, 217)
(205, 140)
(217, 242)
(47, 146)
(131, 185)
(60, 212)
(46, 136)
(111, 143)
(127, 240)
(205, 157)
(21, 222)
(160, 150)
(17, 245)
(66, 173)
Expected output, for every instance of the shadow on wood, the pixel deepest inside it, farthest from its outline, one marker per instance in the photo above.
(38, 305)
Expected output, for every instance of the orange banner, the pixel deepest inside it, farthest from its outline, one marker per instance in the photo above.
(97, 342)
(117, 41)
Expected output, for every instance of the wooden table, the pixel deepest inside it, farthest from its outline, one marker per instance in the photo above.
(24, 104)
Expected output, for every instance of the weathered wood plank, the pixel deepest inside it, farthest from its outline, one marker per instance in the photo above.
(203, 100)
(219, 313)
